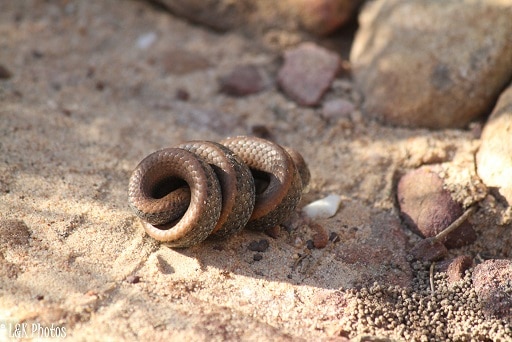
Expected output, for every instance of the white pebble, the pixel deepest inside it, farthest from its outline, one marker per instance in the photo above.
(146, 40)
(323, 208)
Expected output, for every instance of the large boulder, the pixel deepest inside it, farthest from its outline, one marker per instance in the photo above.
(433, 64)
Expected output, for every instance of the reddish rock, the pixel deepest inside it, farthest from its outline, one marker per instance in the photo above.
(492, 281)
(243, 80)
(427, 208)
(456, 267)
(429, 249)
(336, 109)
(307, 73)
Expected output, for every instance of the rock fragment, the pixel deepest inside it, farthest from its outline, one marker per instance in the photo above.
(307, 73)
(334, 110)
(427, 208)
(324, 16)
(4, 73)
(428, 70)
(243, 80)
(492, 281)
(494, 159)
(455, 268)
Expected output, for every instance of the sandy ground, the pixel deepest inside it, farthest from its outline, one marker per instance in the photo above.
(85, 104)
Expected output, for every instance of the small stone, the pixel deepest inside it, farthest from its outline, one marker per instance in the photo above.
(428, 249)
(321, 236)
(146, 40)
(455, 268)
(14, 233)
(261, 131)
(182, 94)
(323, 208)
(257, 257)
(427, 208)
(310, 244)
(4, 73)
(324, 16)
(243, 80)
(337, 109)
(492, 281)
(307, 73)
(494, 159)
(334, 237)
(132, 279)
(259, 246)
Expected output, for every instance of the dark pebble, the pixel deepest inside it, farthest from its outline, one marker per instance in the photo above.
(310, 244)
(133, 279)
(4, 73)
(259, 246)
(242, 80)
(334, 237)
(182, 94)
(257, 257)
(429, 250)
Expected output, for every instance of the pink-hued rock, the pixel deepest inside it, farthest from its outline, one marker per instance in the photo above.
(307, 73)
(243, 80)
(456, 267)
(429, 249)
(492, 281)
(337, 109)
(427, 208)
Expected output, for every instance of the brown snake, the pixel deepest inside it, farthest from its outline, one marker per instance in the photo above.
(199, 189)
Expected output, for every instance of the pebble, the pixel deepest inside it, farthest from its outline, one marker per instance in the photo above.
(492, 281)
(438, 79)
(257, 257)
(427, 208)
(4, 73)
(494, 158)
(146, 40)
(336, 109)
(321, 236)
(132, 279)
(456, 267)
(258, 246)
(323, 208)
(307, 73)
(325, 16)
(243, 80)
(429, 250)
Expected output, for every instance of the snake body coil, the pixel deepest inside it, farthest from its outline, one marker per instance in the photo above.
(199, 189)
